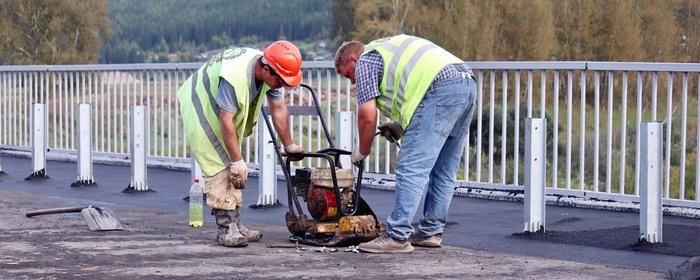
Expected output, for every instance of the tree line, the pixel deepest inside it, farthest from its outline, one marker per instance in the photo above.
(601, 30)
(52, 31)
(129, 31)
(188, 27)
(120, 31)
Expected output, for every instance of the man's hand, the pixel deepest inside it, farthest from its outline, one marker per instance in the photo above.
(357, 157)
(392, 131)
(294, 152)
(238, 174)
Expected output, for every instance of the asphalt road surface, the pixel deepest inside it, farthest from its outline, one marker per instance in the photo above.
(482, 238)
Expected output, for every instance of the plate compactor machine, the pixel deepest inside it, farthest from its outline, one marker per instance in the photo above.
(338, 214)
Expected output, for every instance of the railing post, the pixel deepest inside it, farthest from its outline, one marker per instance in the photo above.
(38, 127)
(267, 168)
(651, 182)
(84, 147)
(344, 135)
(535, 174)
(1, 172)
(139, 149)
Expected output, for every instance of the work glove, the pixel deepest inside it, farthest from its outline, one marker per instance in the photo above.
(392, 131)
(357, 157)
(238, 174)
(294, 152)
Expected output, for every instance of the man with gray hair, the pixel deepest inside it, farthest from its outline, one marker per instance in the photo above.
(429, 94)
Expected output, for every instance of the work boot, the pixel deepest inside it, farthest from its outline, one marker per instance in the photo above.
(386, 244)
(250, 235)
(433, 241)
(229, 235)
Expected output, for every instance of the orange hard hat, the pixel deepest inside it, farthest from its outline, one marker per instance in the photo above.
(285, 58)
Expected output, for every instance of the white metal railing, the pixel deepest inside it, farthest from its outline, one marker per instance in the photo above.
(572, 95)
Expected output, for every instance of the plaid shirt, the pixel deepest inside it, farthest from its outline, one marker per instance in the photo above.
(370, 69)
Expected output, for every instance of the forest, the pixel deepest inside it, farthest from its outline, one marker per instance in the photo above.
(128, 31)
(599, 30)
(152, 30)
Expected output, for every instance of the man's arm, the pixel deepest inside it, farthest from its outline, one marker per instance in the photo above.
(368, 73)
(280, 119)
(367, 125)
(228, 130)
(228, 107)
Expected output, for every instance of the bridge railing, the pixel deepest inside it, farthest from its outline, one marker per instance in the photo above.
(593, 109)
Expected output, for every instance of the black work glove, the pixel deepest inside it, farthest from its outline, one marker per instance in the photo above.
(294, 152)
(392, 131)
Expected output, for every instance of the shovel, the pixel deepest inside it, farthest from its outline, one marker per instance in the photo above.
(97, 218)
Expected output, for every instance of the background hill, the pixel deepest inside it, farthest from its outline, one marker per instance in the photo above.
(132, 31)
(184, 30)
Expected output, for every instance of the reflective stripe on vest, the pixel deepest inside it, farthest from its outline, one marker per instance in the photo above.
(409, 66)
(391, 75)
(405, 56)
(206, 126)
(200, 112)
(207, 87)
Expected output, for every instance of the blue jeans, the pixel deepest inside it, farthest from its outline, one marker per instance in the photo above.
(430, 154)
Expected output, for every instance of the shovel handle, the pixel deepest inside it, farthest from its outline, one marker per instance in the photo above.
(55, 211)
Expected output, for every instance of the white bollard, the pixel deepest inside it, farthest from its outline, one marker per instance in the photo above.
(38, 127)
(267, 166)
(535, 174)
(84, 147)
(139, 149)
(651, 182)
(344, 131)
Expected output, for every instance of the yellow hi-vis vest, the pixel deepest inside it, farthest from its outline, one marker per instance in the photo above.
(410, 65)
(200, 113)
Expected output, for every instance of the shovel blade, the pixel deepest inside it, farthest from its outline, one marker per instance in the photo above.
(101, 219)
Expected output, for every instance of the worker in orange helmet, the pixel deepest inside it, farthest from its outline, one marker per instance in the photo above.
(219, 106)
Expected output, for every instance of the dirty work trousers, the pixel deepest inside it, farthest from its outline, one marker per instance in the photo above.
(220, 194)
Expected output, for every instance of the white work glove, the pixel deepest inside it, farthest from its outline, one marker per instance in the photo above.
(238, 174)
(293, 152)
(357, 157)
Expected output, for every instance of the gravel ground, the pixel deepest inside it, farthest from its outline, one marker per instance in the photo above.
(160, 245)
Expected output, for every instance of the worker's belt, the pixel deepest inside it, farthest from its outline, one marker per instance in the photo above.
(465, 71)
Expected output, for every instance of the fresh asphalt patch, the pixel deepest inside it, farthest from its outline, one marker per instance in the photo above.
(678, 240)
